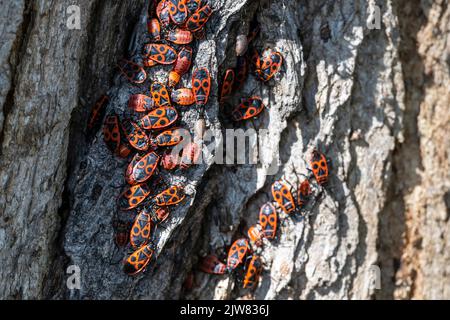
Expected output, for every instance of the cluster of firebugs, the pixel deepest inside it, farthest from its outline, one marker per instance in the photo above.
(147, 135)
(246, 251)
(172, 26)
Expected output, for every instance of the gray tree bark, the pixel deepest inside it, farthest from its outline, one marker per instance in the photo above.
(374, 100)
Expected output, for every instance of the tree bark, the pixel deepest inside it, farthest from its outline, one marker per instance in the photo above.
(375, 101)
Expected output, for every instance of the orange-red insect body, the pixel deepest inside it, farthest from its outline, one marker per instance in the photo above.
(199, 19)
(133, 196)
(138, 260)
(178, 11)
(181, 66)
(255, 234)
(253, 272)
(169, 138)
(319, 166)
(141, 230)
(169, 197)
(141, 168)
(154, 29)
(193, 5)
(283, 196)
(237, 253)
(227, 85)
(268, 220)
(201, 86)
(159, 118)
(114, 137)
(132, 71)
(190, 156)
(248, 109)
(135, 135)
(160, 53)
(212, 265)
(162, 11)
(140, 103)
(268, 65)
(303, 193)
(183, 97)
(180, 36)
(97, 111)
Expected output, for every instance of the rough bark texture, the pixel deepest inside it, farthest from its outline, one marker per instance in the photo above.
(374, 100)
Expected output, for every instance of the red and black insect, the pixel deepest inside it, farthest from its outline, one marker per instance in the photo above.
(170, 161)
(237, 253)
(160, 53)
(111, 133)
(159, 118)
(124, 149)
(141, 168)
(241, 73)
(183, 96)
(154, 29)
(160, 95)
(159, 215)
(141, 230)
(193, 5)
(319, 167)
(255, 234)
(138, 260)
(248, 109)
(133, 196)
(180, 36)
(201, 85)
(253, 272)
(141, 103)
(135, 135)
(113, 137)
(227, 85)
(189, 156)
(303, 193)
(181, 66)
(212, 265)
(283, 197)
(132, 71)
(268, 220)
(121, 232)
(97, 111)
(147, 62)
(162, 11)
(178, 11)
(269, 64)
(199, 19)
(169, 138)
(170, 196)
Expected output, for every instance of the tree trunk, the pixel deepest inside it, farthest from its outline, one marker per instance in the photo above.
(374, 100)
